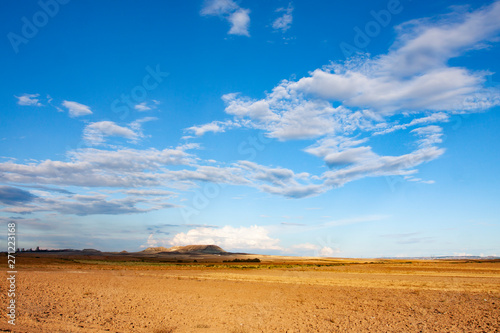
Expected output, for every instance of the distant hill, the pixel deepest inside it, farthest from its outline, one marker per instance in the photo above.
(207, 249)
(155, 249)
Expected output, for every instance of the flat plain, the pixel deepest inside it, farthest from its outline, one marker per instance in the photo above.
(119, 293)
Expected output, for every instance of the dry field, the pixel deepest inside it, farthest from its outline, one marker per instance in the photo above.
(86, 294)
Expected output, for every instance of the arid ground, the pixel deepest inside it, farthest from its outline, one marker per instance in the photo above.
(125, 294)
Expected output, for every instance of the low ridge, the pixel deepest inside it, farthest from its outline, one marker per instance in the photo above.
(208, 249)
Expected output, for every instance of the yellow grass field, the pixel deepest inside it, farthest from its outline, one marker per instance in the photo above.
(279, 294)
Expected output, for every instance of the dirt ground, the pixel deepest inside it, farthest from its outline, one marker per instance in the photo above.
(62, 295)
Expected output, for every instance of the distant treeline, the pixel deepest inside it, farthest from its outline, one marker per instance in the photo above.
(243, 260)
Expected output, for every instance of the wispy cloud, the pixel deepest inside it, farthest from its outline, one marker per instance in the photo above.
(28, 99)
(145, 106)
(429, 135)
(147, 193)
(76, 109)
(433, 118)
(101, 168)
(142, 107)
(280, 181)
(151, 168)
(227, 9)
(284, 22)
(214, 127)
(376, 165)
(96, 133)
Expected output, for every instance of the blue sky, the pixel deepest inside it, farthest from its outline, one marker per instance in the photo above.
(353, 129)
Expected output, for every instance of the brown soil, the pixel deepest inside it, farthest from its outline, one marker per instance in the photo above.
(61, 295)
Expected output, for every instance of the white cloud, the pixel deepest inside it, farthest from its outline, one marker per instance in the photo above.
(95, 133)
(144, 193)
(211, 174)
(136, 125)
(349, 161)
(441, 89)
(144, 168)
(76, 109)
(295, 191)
(308, 249)
(245, 107)
(425, 45)
(151, 168)
(240, 21)
(430, 135)
(328, 252)
(349, 156)
(367, 91)
(415, 75)
(363, 95)
(288, 114)
(326, 146)
(280, 181)
(151, 241)
(101, 168)
(433, 118)
(238, 17)
(28, 99)
(229, 238)
(382, 166)
(142, 107)
(284, 22)
(214, 127)
(418, 180)
(145, 106)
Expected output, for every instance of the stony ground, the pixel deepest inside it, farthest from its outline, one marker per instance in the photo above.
(390, 297)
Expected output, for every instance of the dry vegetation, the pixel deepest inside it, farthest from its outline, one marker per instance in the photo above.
(103, 294)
